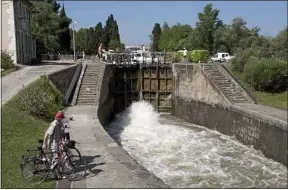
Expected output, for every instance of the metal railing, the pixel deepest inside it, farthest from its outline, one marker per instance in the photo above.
(134, 58)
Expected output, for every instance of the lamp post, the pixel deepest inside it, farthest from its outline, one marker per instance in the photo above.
(74, 22)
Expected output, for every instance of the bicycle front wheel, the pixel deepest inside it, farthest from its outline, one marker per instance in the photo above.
(34, 170)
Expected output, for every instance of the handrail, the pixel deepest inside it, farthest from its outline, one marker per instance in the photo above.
(240, 83)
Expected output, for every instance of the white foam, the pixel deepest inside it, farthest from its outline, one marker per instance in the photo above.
(193, 157)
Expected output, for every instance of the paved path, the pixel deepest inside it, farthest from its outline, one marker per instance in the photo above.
(109, 166)
(270, 111)
(15, 81)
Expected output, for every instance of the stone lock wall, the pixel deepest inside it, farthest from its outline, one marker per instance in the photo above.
(196, 100)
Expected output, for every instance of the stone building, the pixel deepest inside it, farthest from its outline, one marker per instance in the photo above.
(16, 36)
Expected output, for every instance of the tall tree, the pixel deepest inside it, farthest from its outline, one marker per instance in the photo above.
(207, 25)
(156, 35)
(111, 37)
(45, 25)
(98, 35)
(64, 36)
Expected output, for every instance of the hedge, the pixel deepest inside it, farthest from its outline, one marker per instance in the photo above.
(174, 57)
(195, 56)
(268, 75)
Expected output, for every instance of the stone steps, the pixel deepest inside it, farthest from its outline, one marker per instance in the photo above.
(88, 89)
(227, 87)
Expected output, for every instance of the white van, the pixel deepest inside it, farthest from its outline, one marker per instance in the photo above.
(221, 57)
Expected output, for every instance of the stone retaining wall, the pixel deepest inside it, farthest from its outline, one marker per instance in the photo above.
(63, 78)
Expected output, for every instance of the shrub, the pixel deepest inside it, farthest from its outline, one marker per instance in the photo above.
(197, 56)
(6, 60)
(241, 58)
(168, 57)
(40, 99)
(177, 57)
(268, 75)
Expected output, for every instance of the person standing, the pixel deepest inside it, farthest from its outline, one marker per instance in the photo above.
(83, 55)
(52, 138)
(100, 50)
(185, 60)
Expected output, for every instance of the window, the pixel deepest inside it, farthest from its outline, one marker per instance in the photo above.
(223, 54)
(226, 55)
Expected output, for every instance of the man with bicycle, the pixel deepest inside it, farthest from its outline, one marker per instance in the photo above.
(53, 136)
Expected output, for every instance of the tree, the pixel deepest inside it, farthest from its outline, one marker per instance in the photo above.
(56, 6)
(45, 26)
(207, 25)
(98, 35)
(64, 36)
(111, 34)
(156, 35)
(281, 44)
(175, 37)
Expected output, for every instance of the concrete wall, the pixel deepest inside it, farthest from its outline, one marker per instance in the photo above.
(106, 100)
(190, 82)
(198, 102)
(63, 78)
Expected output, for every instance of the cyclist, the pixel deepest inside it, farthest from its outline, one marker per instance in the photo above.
(52, 139)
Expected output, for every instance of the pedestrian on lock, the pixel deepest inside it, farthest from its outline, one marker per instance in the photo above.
(100, 51)
(185, 55)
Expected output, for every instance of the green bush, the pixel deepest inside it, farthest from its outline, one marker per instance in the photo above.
(242, 57)
(268, 75)
(6, 60)
(169, 57)
(40, 99)
(197, 56)
(177, 57)
(173, 57)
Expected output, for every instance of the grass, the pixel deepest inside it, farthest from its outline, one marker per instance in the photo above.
(19, 133)
(276, 100)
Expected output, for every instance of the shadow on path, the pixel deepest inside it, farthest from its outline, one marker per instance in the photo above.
(89, 166)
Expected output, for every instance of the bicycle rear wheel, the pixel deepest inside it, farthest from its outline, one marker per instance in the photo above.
(34, 170)
(74, 167)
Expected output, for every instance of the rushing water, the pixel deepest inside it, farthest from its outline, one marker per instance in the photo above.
(184, 155)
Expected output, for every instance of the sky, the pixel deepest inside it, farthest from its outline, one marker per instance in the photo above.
(136, 18)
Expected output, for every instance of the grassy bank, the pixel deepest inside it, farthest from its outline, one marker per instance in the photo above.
(21, 131)
(276, 100)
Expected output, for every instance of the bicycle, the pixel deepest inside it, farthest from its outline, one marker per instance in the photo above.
(70, 150)
(41, 166)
